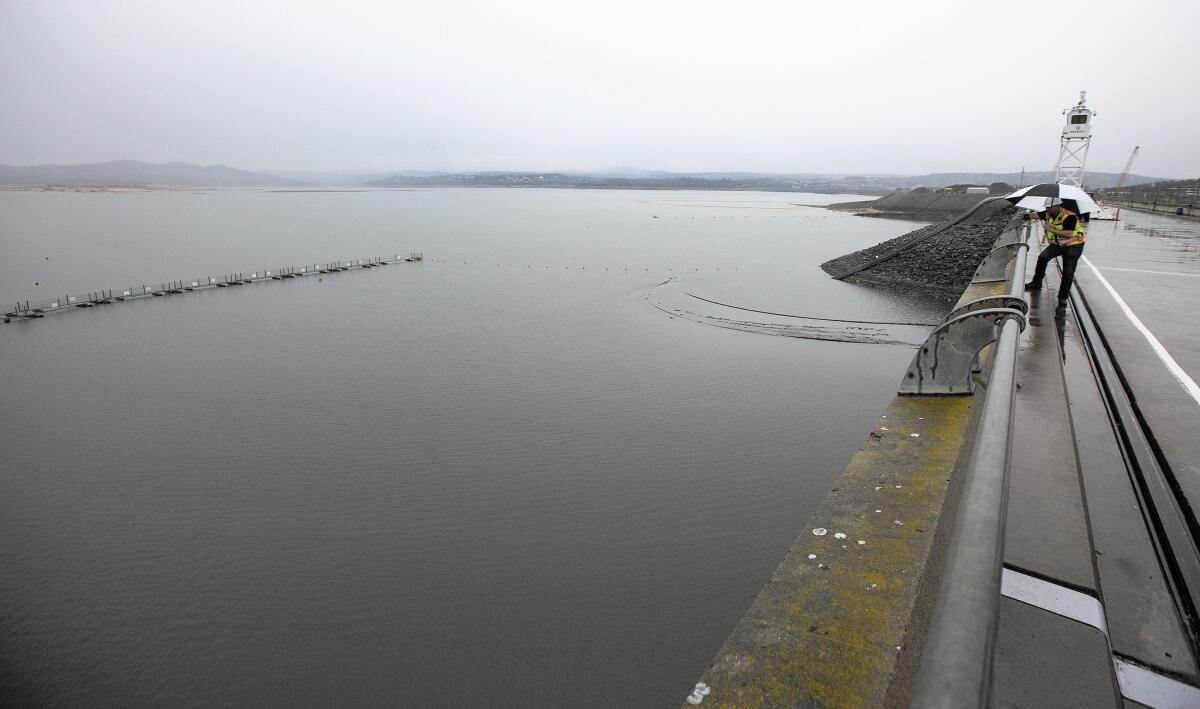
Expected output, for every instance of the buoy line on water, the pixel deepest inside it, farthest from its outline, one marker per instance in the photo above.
(811, 317)
(853, 332)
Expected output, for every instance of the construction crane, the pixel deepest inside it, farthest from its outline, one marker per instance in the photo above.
(1125, 172)
(1107, 213)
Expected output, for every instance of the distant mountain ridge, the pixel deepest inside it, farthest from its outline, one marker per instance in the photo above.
(630, 178)
(134, 173)
(1092, 180)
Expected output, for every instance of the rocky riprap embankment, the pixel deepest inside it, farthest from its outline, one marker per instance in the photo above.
(941, 265)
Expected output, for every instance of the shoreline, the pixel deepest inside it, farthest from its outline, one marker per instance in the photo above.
(414, 188)
(104, 188)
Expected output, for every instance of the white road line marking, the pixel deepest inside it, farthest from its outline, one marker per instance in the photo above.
(1059, 600)
(1142, 270)
(1189, 385)
(1152, 689)
(1136, 682)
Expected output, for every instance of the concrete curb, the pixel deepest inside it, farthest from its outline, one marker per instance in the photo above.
(840, 624)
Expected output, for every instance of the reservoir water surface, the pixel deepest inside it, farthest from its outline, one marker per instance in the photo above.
(528, 471)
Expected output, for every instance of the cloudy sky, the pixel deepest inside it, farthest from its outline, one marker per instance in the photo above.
(838, 86)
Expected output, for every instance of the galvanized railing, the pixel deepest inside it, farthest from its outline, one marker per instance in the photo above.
(1166, 195)
(956, 662)
(1183, 201)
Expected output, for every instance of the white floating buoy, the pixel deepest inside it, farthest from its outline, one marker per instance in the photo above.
(839, 535)
(820, 531)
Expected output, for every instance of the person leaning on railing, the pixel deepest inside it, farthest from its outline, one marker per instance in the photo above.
(1064, 231)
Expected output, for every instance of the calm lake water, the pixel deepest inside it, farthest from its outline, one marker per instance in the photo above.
(516, 474)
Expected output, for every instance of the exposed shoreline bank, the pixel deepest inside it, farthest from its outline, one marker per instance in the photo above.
(942, 265)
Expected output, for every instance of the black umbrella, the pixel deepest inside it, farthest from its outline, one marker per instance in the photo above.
(1038, 197)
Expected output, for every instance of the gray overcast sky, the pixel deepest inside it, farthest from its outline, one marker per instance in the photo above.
(836, 86)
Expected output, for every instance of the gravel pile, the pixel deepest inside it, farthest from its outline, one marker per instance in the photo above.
(940, 266)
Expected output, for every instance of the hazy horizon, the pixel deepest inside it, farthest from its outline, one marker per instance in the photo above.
(855, 88)
(619, 170)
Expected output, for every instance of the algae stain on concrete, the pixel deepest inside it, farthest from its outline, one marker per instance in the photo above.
(826, 634)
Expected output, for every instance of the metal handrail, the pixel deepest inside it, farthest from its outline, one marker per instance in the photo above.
(956, 663)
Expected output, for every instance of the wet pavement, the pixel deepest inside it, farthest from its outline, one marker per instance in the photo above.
(1088, 608)
(1141, 279)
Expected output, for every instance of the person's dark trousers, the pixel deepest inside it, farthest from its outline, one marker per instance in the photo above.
(1070, 259)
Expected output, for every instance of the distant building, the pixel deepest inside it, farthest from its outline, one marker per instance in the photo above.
(977, 190)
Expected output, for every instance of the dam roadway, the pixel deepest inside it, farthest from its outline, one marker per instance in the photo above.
(1095, 517)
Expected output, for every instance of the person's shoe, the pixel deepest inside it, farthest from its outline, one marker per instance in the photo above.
(1033, 286)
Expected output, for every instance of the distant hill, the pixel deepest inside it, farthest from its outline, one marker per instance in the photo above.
(1091, 180)
(1168, 185)
(774, 183)
(632, 178)
(634, 172)
(133, 173)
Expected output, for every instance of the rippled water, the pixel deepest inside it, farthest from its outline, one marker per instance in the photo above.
(504, 476)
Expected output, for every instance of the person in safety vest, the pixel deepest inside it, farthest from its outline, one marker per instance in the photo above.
(1064, 231)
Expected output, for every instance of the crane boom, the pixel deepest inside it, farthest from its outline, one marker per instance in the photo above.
(1128, 164)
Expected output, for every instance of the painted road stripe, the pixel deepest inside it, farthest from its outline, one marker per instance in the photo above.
(1136, 682)
(1059, 600)
(1152, 689)
(1189, 385)
(1142, 270)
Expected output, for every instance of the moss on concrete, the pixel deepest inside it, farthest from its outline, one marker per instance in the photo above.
(831, 626)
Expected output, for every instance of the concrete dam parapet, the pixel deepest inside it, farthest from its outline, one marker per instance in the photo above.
(1033, 544)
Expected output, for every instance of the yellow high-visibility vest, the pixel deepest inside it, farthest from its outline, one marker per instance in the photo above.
(1056, 223)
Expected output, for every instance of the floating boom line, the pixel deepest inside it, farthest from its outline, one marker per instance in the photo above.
(811, 317)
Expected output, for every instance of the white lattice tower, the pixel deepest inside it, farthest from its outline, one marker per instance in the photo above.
(1073, 149)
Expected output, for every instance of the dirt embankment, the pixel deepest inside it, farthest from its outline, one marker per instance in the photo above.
(940, 266)
(921, 206)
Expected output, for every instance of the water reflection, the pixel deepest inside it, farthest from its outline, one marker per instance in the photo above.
(480, 480)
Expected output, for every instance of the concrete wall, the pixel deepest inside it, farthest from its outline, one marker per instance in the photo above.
(842, 621)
